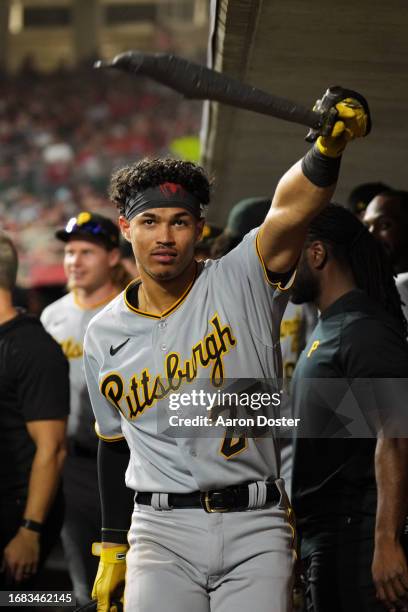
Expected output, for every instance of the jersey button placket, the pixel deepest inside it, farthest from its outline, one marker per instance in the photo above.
(162, 325)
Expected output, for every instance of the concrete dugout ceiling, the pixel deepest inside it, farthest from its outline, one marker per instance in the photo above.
(297, 49)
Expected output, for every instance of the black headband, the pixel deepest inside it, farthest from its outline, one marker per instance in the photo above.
(166, 195)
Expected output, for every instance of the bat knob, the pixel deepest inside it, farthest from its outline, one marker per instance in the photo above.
(101, 64)
(123, 61)
(129, 61)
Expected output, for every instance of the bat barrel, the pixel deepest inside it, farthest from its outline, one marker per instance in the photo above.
(199, 82)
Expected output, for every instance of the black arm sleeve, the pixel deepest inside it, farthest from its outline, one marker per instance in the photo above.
(116, 498)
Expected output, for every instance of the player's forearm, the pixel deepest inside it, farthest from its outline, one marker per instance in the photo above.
(300, 195)
(116, 498)
(45, 476)
(296, 201)
(391, 460)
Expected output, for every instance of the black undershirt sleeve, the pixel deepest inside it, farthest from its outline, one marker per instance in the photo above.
(116, 498)
(280, 277)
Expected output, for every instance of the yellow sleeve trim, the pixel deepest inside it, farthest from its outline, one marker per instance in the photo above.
(265, 271)
(107, 438)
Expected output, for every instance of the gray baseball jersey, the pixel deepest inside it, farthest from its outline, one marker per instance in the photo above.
(225, 326)
(292, 337)
(66, 321)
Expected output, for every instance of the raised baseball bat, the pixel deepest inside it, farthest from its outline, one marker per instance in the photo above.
(198, 82)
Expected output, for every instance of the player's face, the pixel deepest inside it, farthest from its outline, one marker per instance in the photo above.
(385, 221)
(306, 285)
(87, 265)
(163, 241)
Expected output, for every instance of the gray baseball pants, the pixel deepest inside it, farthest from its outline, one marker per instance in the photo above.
(185, 560)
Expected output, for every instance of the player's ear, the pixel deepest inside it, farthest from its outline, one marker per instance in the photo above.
(124, 227)
(317, 255)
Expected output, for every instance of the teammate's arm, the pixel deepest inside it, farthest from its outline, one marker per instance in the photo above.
(363, 345)
(22, 553)
(305, 189)
(389, 567)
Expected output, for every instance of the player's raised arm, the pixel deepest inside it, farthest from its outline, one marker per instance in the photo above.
(307, 187)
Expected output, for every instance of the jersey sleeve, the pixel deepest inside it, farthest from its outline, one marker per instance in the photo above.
(375, 361)
(247, 284)
(373, 339)
(42, 376)
(107, 417)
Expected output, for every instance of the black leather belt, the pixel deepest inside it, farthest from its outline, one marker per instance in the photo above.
(231, 499)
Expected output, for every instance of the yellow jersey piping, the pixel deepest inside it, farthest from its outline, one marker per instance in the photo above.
(106, 438)
(165, 313)
(265, 271)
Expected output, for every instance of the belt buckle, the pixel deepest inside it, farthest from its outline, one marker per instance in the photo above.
(206, 503)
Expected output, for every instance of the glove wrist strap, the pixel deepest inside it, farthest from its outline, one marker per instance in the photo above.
(321, 170)
(113, 554)
(114, 535)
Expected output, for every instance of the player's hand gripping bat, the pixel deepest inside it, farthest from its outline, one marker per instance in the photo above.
(195, 81)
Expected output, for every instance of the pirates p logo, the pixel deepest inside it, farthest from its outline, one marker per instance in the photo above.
(313, 348)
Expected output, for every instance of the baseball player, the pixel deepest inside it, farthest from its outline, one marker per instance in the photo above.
(95, 276)
(211, 526)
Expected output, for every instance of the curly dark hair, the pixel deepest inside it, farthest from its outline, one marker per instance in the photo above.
(352, 244)
(146, 173)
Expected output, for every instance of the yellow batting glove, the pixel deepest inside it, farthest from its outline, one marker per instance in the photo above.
(352, 123)
(110, 579)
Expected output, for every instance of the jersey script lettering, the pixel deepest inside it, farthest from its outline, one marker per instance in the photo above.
(145, 391)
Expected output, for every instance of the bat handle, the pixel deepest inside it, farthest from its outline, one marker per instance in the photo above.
(326, 108)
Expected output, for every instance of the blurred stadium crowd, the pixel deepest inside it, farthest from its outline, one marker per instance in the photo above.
(60, 143)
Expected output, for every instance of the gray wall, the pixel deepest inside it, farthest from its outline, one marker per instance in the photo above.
(297, 48)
